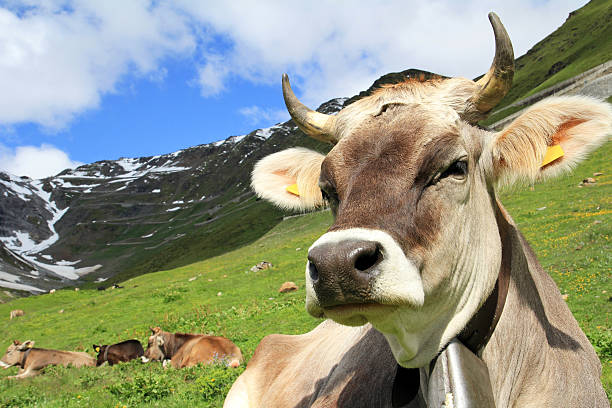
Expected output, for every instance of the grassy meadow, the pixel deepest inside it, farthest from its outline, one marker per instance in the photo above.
(568, 226)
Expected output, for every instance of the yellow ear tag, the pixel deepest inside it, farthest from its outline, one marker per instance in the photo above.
(293, 189)
(552, 154)
(30, 345)
(97, 349)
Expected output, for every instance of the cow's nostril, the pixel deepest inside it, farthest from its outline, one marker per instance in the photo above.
(313, 272)
(367, 258)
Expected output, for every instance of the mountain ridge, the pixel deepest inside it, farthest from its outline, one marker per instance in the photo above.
(113, 219)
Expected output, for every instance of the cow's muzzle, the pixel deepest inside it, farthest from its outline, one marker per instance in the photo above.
(342, 272)
(3, 364)
(362, 268)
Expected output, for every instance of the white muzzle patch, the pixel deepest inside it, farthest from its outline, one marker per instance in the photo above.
(144, 359)
(3, 364)
(396, 280)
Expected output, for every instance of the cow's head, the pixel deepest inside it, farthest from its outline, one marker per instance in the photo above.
(414, 247)
(156, 350)
(100, 350)
(14, 355)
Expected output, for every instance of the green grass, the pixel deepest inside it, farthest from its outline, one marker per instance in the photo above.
(572, 247)
(249, 308)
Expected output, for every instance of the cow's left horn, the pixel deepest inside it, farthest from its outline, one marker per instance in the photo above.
(497, 82)
(317, 125)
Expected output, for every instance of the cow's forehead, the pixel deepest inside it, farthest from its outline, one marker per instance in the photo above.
(403, 130)
(452, 93)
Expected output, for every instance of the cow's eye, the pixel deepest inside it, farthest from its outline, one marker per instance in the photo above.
(458, 169)
(325, 195)
(330, 196)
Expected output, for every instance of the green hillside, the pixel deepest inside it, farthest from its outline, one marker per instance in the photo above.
(581, 43)
(571, 236)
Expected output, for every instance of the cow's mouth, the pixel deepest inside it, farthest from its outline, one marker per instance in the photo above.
(357, 314)
(4, 365)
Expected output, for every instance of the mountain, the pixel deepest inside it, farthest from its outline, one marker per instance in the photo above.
(108, 221)
(114, 219)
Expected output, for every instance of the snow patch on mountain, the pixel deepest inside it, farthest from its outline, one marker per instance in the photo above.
(267, 132)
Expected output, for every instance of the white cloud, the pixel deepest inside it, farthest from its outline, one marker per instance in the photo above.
(35, 162)
(337, 48)
(59, 57)
(212, 75)
(257, 115)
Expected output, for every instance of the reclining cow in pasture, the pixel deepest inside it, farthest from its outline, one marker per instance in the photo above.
(16, 313)
(119, 352)
(186, 350)
(31, 360)
(422, 250)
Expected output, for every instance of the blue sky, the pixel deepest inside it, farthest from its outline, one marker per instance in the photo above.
(89, 80)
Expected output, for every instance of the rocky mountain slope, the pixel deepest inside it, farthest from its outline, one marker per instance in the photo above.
(119, 218)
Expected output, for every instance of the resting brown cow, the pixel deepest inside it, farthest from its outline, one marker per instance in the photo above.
(186, 350)
(16, 313)
(124, 351)
(32, 360)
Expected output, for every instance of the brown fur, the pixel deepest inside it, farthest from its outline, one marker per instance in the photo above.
(16, 313)
(186, 350)
(119, 352)
(38, 358)
(331, 366)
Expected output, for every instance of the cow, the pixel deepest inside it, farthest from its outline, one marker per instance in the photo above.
(333, 365)
(186, 350)
(31, 360)
(120, 352)
(16, 313)
(420, 246)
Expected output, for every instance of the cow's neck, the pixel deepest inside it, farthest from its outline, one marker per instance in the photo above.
(481, 326)
(536, 336)
(476, 333)
(176, 342)
(24, 357)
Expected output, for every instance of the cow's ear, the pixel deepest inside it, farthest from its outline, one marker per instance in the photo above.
(289, 179)
(96, 348)
(26, 345)
(550, 138)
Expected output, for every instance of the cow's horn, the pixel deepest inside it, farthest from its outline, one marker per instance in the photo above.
(314, 124)
(497, 82)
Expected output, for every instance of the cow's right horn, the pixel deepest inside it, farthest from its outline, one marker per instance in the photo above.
(314, 124)
(496, 83)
